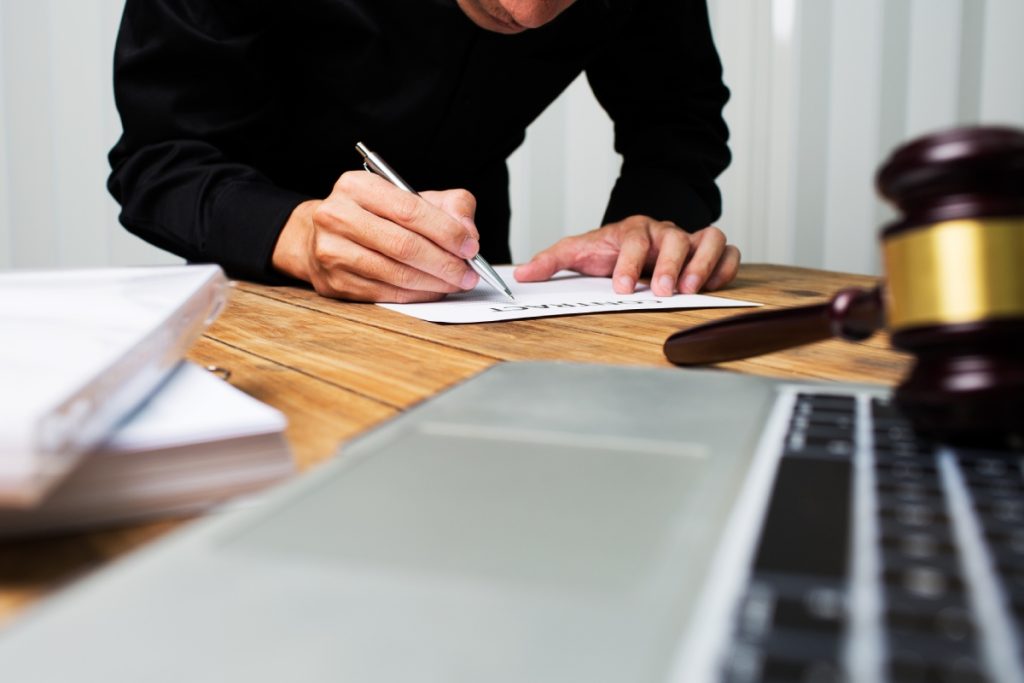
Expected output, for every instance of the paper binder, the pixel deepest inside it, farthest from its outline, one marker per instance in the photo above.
(79, 350)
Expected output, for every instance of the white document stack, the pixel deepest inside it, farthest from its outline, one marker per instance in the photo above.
(196, 443)
(80, 351)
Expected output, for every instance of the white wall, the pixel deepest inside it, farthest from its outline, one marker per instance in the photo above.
(58, 121)
(822, 90)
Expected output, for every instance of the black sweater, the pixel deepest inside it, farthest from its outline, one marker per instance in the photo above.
(234, 111)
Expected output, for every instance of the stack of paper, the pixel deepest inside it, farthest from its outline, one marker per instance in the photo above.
(196, 443)
(80, 352)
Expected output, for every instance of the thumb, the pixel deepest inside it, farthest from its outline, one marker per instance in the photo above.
(541, 267)
(459, 204)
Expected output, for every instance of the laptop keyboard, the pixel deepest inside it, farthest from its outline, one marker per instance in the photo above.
(882, 556)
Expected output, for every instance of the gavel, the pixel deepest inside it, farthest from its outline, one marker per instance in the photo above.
(952, 292)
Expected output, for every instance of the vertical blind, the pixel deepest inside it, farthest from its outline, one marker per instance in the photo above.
(822, 91)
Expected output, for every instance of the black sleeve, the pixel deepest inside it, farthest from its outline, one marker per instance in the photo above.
(661, 83)
(194, 91)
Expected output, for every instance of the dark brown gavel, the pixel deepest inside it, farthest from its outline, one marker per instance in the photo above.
(953, 292)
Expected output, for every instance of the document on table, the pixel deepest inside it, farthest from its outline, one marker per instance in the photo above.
(567, 293)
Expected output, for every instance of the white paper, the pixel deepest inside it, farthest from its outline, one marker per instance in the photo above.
(194, 443)
(79, 349)
(567, 293)
(192, 407)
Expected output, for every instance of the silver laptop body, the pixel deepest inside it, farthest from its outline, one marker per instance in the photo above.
(548, 522)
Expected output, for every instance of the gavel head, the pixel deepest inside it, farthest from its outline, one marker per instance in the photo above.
(954, 272)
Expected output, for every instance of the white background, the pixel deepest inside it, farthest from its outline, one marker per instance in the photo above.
(822, 91)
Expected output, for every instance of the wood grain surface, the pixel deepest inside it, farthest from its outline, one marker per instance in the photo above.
(336, 369)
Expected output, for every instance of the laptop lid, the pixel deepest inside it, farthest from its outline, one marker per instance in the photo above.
(540, 522)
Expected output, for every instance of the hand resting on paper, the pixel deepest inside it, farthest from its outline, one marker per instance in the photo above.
(677, 260)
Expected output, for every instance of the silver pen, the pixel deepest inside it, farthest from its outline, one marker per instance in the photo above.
(374, 164)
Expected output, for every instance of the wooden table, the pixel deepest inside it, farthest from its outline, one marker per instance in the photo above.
(336, 369)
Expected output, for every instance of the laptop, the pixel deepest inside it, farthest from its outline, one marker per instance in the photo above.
(578, 523)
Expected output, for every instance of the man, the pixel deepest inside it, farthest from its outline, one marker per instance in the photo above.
(240, 118)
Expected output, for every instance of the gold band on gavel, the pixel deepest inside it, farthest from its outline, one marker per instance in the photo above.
(955, 272)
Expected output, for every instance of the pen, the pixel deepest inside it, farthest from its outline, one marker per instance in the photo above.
(374, 164)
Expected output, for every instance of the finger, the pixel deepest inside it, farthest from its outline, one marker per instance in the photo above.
(351, 287)
(726, 269)
(673, 249)
(541, 267)
(459, 204)
(709, 245)
(330, 279)
(341, 216)
(409, 210)
(371, 265)
(630, 263)
(560, 256)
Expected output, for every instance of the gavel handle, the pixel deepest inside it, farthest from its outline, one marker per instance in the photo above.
(852, 313)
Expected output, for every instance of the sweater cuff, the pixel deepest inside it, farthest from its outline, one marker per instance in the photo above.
(250, 217)
(664, 197)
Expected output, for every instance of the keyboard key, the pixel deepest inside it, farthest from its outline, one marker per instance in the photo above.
(912, 667)
(784, 657)
(902, 450)
(892, 531)
(911, 469)
(839, 423)
(919, 545)
(1005, 509)
(915, 515)
(952, 623)
(1006, 542)
(777, 669)
(819, 612)
(806, 529)
(777, 602)
(889, 487)
(923, 581)
(834, 402)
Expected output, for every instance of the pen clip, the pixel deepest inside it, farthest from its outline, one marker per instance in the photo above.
(374, 164)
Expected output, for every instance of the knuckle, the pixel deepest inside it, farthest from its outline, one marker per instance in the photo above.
(716, 234)
(634, 223)
(671, 263)
(699, 267)
(452, 270)
(331, 284)
(407, 248)
(359, 262)
(406, 278)
(464, 198)
(347, 182)
(322, 217)
(667, 228)
(363, 291)
(322, 253)
(407, 208)
(700, 271)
